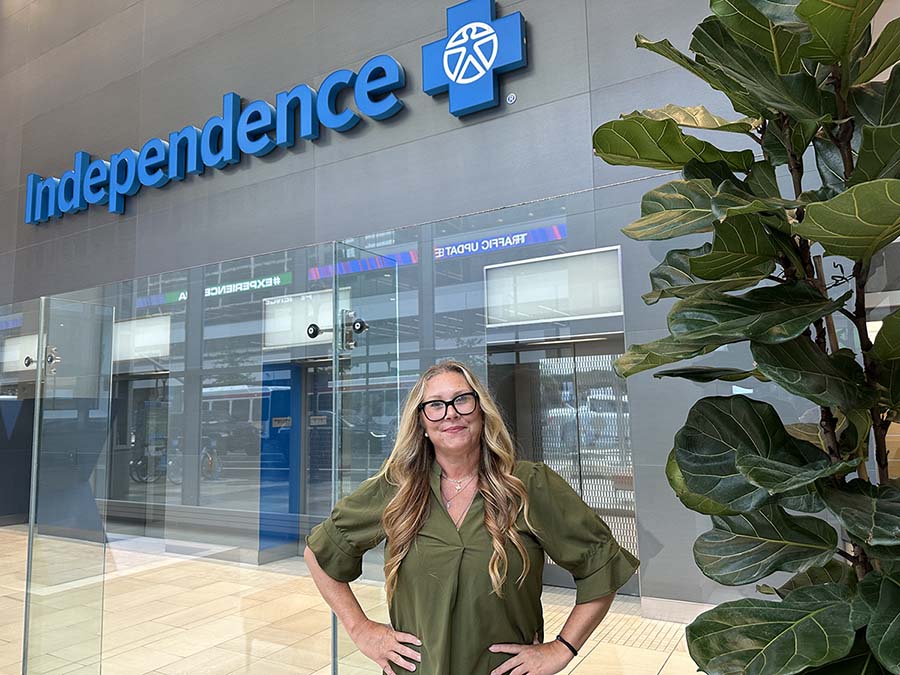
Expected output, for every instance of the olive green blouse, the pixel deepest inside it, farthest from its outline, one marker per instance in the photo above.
(444, 595)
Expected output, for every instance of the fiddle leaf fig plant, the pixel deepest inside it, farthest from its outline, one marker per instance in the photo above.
(818, 182)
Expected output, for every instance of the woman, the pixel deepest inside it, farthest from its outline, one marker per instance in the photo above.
(467, 527)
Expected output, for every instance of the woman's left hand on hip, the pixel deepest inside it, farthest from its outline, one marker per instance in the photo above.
(536, 659)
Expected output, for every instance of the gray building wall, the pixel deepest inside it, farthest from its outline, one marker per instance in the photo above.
(101, 75)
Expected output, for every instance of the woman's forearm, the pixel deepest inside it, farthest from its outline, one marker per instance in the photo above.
(584, 619)
(337, 594)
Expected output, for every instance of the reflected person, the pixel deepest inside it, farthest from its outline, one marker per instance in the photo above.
(467, 527)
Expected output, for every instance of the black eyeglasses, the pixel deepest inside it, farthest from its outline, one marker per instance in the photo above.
(436, 410)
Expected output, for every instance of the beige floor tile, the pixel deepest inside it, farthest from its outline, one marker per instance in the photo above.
(305, 623)
(11, 652)
(308, 653)
(138, 661)
(208, 610)
(273, 610)
(619, 660)
(45, 663)
(262, 642)
(679, 663)
(265, 667)
(212, 661)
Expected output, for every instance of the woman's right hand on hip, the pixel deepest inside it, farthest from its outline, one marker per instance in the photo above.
(384, 646)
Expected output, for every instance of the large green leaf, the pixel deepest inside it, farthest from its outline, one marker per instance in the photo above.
(744, 548)
(659, 144)
(871, 513)
(883, 633)
(748, 436)
(739, 96)
(658, 353)
(859, 661)
(770, 314)
(740, 246)
(706, 451)
(857, 223)
(796, 95)
(800, 367)
(716, 172)
(697, 117)
(779, 11)
(866, 599)
(830, 164)
(837, 27)
(883, 55)
(832, 572)
(730, 200)
(692, 500)
(879, 156)
(673, 279)
(761, 181)
(887, 351)
(709, 374)
(746, 23)
(804, 499)
(673, 210)
(877, 103)
(778, 145)
(810, 627)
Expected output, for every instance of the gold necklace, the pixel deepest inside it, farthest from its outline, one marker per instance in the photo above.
(459, 487)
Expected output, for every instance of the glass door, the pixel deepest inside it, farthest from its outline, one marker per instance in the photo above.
(568, 409)
(67, 527)
(365, 367)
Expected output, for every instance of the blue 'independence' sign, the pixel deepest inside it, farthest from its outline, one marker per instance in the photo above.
(248, 130)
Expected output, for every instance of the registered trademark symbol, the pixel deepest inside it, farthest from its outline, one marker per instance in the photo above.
(511, 98)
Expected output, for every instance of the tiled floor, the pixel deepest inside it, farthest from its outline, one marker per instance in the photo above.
(165, 614)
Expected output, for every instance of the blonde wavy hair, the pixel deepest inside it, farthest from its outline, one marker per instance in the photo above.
(409, 469)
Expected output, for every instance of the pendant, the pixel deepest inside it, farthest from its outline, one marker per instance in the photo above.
(448, 506)
(459, 488)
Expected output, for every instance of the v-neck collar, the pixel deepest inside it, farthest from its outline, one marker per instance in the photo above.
(435, 480)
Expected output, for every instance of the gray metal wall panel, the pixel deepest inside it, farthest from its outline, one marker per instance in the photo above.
(174, 25)
(10, 150)
(508, 160)
(102, 124)
(14, 50)
(9, 215)
(54, 22)
(15, 93)
(88, 258)
(260, 217)
(87, 63)
(611, 27)
(7, 274)
(10, 7)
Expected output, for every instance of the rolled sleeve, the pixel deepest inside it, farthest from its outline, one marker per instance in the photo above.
(353, 528)
(575, 537)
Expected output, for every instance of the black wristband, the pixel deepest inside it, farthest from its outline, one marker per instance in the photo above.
(566, 643)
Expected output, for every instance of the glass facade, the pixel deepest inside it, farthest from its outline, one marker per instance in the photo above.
(218, 412)
(243, 398)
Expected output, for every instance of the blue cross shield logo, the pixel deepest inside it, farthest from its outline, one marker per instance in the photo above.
(478, 49)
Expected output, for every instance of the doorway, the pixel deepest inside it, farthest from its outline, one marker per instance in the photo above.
(567, 408)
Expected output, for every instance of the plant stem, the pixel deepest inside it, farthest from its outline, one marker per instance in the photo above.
(847, 556)
(827, 420)
(842, 138)
(829, 320)
(879, 426)
(880, 429)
